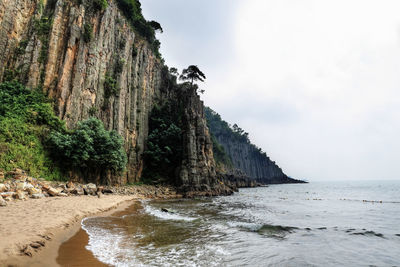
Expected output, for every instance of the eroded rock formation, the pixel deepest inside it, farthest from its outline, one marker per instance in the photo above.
(92, 63)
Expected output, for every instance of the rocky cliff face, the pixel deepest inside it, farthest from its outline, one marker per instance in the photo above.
(243, 155)
(248, 158)
(91, 63)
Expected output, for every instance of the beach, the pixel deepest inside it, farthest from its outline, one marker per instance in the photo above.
(33, 230)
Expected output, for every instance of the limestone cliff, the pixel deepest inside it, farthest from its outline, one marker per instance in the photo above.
(92, 63)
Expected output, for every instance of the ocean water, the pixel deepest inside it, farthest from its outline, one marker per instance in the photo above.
(316, 224)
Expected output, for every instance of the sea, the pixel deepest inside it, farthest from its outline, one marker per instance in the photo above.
(314, 224)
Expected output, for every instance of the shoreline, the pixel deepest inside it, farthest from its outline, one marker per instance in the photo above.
(34, 230)
(12, 252)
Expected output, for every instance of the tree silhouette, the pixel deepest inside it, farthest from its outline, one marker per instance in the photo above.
(192, 73)
(156, 26)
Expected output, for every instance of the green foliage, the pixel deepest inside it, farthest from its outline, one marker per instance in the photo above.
(88, 32)
(92, 111)
(220, 156)
(164, 145)
(220, 129)
(110, 87)
(11, 74)
(192, 73)
(26, 116)
(119, 65)
(21, 47)
(100, 5)
(132, 10)
(43, 27)
(156, 26)
(90, 148)
(169, 78)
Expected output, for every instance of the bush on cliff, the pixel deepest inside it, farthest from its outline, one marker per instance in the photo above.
(90, 148)
(132, 10)
(164, 145)
(26, 117)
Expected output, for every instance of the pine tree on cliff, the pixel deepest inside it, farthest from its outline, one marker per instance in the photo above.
(192, 73)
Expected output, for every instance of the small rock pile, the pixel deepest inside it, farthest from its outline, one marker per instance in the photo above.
(21, 187)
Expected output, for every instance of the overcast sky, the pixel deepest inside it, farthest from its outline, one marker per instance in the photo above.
(316, 83)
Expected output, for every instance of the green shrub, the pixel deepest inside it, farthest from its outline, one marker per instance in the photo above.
(164, 145)
(26, 116)
(92, 111)
(90, 148)
(21, 47)
(110, 87)
(119, 65)
(88, 33)
(147, 29)
(100, 5)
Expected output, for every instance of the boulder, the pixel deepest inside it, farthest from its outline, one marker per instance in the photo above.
(37, 196)
(90, 189)
(77, 191)
(108, 191)
(45, 186)
(8, 199)
(20, 195)
(70, 184)
(2, 202)
(33, 190)
(63, 187)
(3, 188)
(62, 195)
(7, 194)
(21, 186)
(53, 192)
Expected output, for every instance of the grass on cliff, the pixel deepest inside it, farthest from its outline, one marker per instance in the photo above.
(26, 117)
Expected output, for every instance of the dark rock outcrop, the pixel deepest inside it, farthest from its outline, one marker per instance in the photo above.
(243, 155)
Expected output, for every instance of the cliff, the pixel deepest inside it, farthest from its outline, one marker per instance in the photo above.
(242, 154)
(92, 62)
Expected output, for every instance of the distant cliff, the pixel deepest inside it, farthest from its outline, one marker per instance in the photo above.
(233, 149)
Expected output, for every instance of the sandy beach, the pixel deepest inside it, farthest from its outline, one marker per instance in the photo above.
(32, 231)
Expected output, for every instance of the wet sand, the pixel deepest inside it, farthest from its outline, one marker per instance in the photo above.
(73, 252)
(51, 222)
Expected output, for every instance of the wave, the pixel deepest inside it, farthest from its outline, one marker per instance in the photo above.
(167, 215)
(269, 230)
(107, 246)
(365, 233)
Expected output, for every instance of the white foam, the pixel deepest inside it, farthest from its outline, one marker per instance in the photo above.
(108, 247)
(167, 215)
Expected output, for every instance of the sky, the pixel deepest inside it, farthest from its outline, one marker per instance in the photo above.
(316, 83)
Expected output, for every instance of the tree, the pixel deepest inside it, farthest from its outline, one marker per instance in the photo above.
(89, 148)
(174, 71)
(192, 73)
(156, 26)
